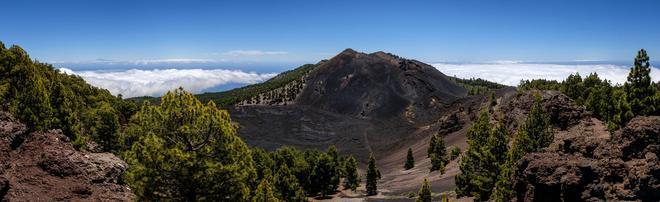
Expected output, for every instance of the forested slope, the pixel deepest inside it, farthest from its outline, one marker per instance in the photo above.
(45, 98)
(280, 89)
(178, 149)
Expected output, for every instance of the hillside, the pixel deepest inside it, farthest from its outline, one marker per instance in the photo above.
(44, 98)
(346, 98)
(368, 103)
(57, 133)
(377, 85)
(382, 104)
(280, 89)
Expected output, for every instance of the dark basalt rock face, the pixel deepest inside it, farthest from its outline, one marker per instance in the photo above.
(43, 166)
(377, 85)
(623, 167)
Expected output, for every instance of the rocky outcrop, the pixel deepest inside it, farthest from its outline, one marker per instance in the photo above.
(590, 167)
(11, 137)
(450, 123)
(561, 109)
(43, 166)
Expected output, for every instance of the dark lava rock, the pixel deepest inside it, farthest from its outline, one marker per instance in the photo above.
(43, 166)
(12, 132)
(377, 85)
(562, 111)
(450, 123)
(624, 167)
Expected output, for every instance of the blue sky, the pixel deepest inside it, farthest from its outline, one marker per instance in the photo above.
(271, 36)
(306, 31)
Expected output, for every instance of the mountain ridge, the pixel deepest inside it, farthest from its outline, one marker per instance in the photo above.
(271, 92)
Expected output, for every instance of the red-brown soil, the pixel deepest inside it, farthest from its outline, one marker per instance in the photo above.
(43, 166)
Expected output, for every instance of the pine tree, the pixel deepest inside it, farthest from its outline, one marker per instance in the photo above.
(306, 176)
(263, 163)
(430, 150)
(478, 133)
(623, 112)
(455, 152)
(287, 185)
(67, 118)
(480, 165)
(437, 163)
(439, 156)
(534, 135)
(373, 174)
(470, 162)
(183, 149)
(410, 160)
(325, 174)
(424, 193)
(589, 84)
(332, 152)
(573, 88)
(31, 102)
(352, 180)
(599, 101)
(105, 127)
(497, 144)
(494, 157)
(489, 159)
(638, 86)
(503, 190)
(265, 193)
(591, 94)
(297, 163)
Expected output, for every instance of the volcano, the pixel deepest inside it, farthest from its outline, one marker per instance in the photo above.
(377, 85)
(361, 103)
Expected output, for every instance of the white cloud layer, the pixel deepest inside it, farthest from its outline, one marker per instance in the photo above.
(172, 60)
(135, 82)
(511, 73)
(139, 62)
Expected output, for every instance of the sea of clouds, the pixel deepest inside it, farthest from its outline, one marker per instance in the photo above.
(155, 82)
(511, 73)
